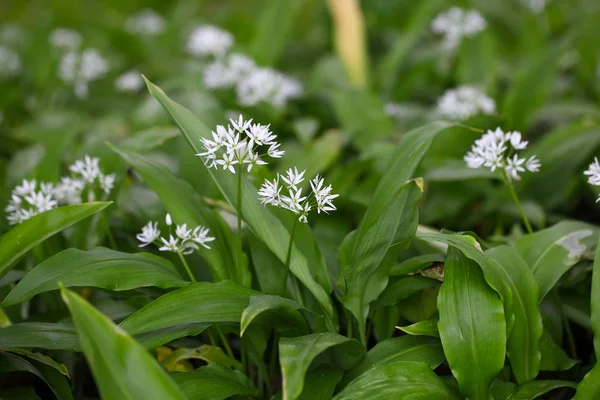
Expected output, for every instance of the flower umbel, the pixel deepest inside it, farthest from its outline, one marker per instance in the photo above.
(27, 200)
(456, 23)
(321, 196)
(465, 102)
(497, 150)
(239, 143)
(185, 241)
(593, 174)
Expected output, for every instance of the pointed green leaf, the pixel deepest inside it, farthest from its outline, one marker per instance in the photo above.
(404, 348)
(312, 273)
(159, 337)
(589, 387)
(202, 302)
(534, 389)
(551, 252)
(398, 380)
(472, 326)
(122, 368)
(402, 289)
(553, 357)
(186, 206)
(23, 237)
(278, 311)
(103, 268)
(214, 382)
(206, 353)
(422, 328)
(297, 354)
(523, 345)
(44, 335)
(320, 383)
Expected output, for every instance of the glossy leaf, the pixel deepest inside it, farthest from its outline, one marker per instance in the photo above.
(320, 383)
(553, 251)
(312, 273)
(390, 214)
(121, 367)
(186, 206)
(416, 263)
(209, 354)
(103, 268)
(472, 326)
(404, 288)
(214, 382)
(161, 336)
(553, 357)
(523, 344)
(534, 389)
(404, 348)
(202, 302)
(25, 236)
(278, 311)
(589, 387)
(54, 379)
(297, 354)
(398, 380)
(45, 335)
(423, 328)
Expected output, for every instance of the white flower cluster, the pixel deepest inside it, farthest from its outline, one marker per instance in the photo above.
(456, 23)
(145, 23)
(130, 82)
(79, 68)
(239, 143)
(465, 102)
(185, 241)
(27, 201)
(321, 196)
(208, 40)
(10, 62)
(593, 173)
(496, 150)
(64, 38)
(253, 84)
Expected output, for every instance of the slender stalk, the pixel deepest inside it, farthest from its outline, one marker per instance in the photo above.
(288, 256)
(349, 317)
(515, 198)
(225, 343)
(111, 238)
(273, 358)
(239, 223)
(186, 266)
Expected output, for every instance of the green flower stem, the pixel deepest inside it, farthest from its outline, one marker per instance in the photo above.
(513, 194)
(186, 266)
(111, 238)
(239, 223)
(225, 343)
(288, 258)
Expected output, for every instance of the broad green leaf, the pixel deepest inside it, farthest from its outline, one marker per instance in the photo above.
(275, 311)
(51, 377)
(148, 139)
(552, 252)
(44, 335)
(423, 328)
(472, 326)
(297, 354)
(414, 264)
(320, 383)
(161, 336)
(534, 389)
(523, 343)
(209, 354)
(402, 289)
(391, 212)
(23, 237)
(403, 348)
(214, 382)
(553, 357)
(122, 368)
(595, 302)
(273, 30)
(43, 359)
(202, 302)
(589, 387)
(186, 206)
(398, 380)
(4, 320)
(312, 273)
(103, 268)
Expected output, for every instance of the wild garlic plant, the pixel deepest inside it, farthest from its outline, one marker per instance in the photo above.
(457, 23)
(86, 179)
(593, 174)
(185, 241)
(238, 146)
(465, 102)
(498, 151)
(320, 198)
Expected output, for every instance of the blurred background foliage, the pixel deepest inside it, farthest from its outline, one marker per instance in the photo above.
(369, 75)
